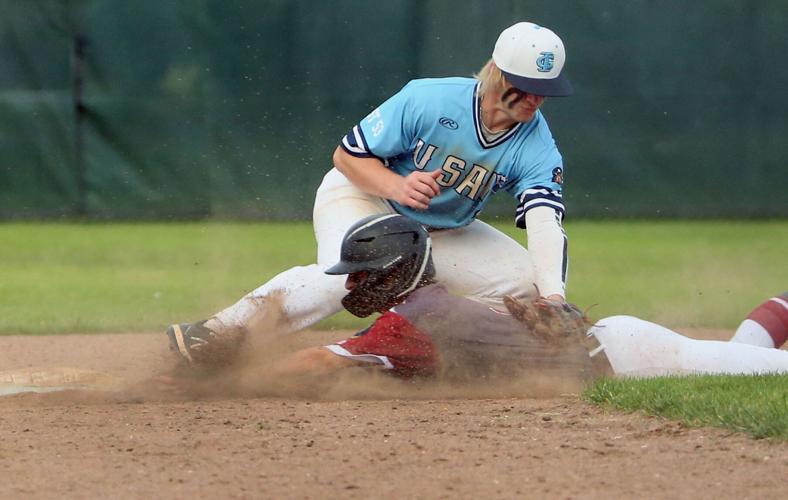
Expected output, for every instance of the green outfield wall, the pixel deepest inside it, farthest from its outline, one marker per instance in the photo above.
(179, 109)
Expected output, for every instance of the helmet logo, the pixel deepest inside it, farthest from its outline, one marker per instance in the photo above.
(544, 62)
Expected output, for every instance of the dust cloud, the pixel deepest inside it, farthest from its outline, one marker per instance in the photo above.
(135, 368)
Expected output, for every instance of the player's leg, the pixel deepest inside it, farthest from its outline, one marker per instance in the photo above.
(766, 325)
(638, 348)
(476, 261)
(305, 295)
(296, 298)
(479, 262)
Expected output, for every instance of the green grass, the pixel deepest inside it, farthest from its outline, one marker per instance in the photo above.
(60, 278)
(756, 405)
(678, 273)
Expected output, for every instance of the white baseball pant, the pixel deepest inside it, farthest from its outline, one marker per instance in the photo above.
(638, 348)
(476, 261)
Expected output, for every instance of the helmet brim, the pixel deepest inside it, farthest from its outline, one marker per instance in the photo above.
(382, 263)
(344, 268)
(554, 87)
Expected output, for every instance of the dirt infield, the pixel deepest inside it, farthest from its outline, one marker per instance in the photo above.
(361, 439)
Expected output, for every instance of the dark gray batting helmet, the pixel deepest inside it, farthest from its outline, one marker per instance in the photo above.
(396, 252)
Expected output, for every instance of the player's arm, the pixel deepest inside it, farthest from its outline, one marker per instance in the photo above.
(388, 131)
(547, 245)
(369, 174)
(314, 361)
(540, 211)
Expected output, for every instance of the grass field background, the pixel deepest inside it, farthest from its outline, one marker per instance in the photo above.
(65, 277)
(757, 405)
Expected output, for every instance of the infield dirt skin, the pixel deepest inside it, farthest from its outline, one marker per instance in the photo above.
(360, 437)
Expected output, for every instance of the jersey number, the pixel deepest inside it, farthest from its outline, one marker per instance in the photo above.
(377, 122)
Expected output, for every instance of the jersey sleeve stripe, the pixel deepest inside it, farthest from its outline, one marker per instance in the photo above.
(367, 358)
(565, 261)
(540, 192)
(538, 196)
(355, 144)
(360, 139)
(540, 202)
(519, 219)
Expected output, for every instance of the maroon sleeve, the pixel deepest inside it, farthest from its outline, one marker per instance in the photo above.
(475, 340)
(409, 351)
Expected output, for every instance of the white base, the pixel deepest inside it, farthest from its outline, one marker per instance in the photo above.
(55, 379)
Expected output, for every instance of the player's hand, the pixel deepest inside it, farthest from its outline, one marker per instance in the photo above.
(551, 321)
(417, 189)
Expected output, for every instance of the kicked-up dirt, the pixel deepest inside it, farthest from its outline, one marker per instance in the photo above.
(360, 436)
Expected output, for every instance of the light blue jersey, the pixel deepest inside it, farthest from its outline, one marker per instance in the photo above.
(435, 124)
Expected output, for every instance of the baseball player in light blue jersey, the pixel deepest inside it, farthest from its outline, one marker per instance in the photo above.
(436, 152)
(411, 134)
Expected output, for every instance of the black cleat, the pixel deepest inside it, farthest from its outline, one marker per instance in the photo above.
(201, 347)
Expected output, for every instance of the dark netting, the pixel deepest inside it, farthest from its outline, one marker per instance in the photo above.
(184, 109)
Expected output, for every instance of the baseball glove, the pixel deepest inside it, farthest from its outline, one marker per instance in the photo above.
(556, 323)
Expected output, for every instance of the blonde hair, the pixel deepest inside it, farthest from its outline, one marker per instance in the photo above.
(490, 77)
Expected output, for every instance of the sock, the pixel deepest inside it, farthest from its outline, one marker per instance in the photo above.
(766, 325)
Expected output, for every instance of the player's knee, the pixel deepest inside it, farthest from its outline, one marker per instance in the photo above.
(617, 321)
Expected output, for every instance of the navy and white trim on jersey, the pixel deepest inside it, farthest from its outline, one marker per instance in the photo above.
(565, 254)
(477, 122)
(538, 196)
(355, 144)
(434, 124)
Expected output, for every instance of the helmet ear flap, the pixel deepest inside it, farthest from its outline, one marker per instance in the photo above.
(395, 251)
(385, 289)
